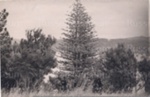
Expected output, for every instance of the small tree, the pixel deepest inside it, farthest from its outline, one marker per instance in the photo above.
(5, 52)
(78, 47)
(3, 21)
(35, 59)
(144, 68)
(119, 67)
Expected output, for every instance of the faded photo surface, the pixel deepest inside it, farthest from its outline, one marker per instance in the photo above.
(74, 48)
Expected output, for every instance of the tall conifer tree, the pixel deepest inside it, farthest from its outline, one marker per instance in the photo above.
(78, 47)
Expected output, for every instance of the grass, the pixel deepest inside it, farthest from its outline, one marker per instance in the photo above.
(77, 92)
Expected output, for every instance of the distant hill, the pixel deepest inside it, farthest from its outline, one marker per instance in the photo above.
(137, 44)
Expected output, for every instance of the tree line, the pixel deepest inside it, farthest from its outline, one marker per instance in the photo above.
(24, 64)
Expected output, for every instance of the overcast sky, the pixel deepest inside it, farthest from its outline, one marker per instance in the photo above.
(112, 18)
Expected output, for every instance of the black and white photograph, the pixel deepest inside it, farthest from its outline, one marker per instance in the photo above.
(74, 48)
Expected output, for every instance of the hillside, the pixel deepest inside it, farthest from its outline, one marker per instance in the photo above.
(137, 44)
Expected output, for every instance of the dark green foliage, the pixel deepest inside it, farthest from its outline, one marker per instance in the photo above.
(119, 67)
(33, 59)
(5, 51)
(24, 64)
(3, 21)
(144, 68)
(60, 83)
(78, 48)
(66, 82)
(97, 85)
